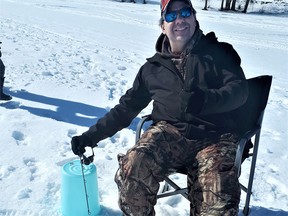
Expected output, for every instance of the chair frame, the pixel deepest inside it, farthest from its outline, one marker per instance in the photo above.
(248, 135)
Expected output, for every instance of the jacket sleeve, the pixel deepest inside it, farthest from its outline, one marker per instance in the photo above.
(234, 90)
(119, 117)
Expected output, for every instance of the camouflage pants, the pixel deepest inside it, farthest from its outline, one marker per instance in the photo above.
(212, 182)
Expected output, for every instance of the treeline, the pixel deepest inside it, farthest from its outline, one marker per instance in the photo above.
(229, 5)
(242, 5)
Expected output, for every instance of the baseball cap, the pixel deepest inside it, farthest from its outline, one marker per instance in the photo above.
(164, 4)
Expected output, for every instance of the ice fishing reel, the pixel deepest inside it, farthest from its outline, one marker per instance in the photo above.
(87, 159)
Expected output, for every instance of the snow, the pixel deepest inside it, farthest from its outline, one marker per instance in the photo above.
(68, 62)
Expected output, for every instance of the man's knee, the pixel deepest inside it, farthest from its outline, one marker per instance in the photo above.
(138, 188)
(215, 188)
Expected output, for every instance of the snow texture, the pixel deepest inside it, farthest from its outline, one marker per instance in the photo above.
(67, 64)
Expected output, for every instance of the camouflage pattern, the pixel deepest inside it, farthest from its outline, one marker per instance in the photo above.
(213, 185)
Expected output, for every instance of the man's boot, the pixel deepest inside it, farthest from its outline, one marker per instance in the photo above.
(2, 95)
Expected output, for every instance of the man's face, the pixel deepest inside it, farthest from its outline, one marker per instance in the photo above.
(179, 31)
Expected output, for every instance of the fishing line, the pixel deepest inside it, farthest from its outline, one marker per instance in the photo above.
(84, 181)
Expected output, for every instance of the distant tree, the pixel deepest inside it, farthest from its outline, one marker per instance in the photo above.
(246, 6)
(233, 6)
(228, 3)
(206, 5)
(222, 5)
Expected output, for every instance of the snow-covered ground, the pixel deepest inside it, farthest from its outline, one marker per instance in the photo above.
(67, 64)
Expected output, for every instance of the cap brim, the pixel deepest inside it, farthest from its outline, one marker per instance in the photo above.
(163, 11)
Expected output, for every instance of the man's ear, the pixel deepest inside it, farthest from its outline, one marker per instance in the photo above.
(163, 29)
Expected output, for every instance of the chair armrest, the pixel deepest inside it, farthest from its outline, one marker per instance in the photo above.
(241, 145)
(140, 125)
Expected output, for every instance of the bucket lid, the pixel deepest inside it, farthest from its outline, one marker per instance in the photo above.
(74, 168)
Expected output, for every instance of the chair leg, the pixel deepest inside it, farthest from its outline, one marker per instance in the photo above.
(177, 190)
(251, 176)
(165, 187)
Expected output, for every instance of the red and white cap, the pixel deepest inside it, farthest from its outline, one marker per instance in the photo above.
(164, 4)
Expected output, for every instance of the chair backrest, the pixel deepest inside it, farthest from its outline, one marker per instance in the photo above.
(248, 115)
(251, 113)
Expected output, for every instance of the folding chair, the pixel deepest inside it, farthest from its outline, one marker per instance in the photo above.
(249, 118)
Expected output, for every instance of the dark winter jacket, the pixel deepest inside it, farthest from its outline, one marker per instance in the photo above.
(199, 106)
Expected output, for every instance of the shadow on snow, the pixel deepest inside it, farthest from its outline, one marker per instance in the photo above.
(260, 211)
(66, 111)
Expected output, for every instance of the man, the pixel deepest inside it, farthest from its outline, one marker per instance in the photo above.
(195, 82)
(2, 73)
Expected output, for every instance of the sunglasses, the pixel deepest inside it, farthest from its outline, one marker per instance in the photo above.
(172, 15)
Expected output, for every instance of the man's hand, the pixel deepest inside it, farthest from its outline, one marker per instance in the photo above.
(78, 144)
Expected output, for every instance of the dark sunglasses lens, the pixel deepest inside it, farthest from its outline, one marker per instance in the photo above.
(170, 16)
(186, 12)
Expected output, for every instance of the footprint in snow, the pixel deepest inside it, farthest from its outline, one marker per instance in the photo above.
(31, 164)
(24, 194)
(19, 138)
(71, 132)
(65, 147)
(268, 151)
(173, 201)
(121, 68)
(47, 73)
(108, 157)
(51, 191)
(8, 212)
(6, 171)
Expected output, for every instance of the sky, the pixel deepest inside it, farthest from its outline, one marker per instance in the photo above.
(68, 63)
